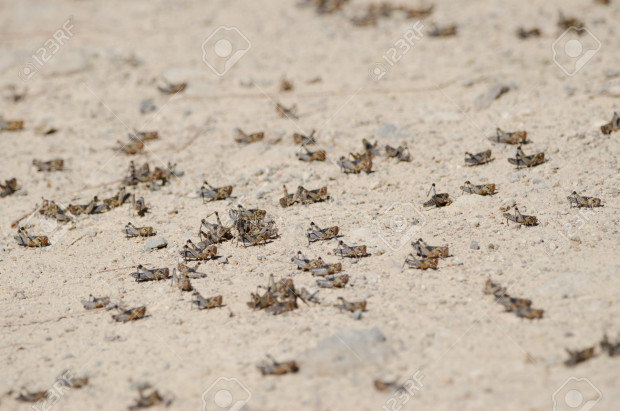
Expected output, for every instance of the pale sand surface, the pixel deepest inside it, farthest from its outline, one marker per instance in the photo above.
(471, 354)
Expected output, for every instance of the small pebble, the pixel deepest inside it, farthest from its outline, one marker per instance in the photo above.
(357, 315)
(155, 243)
(474, 245)
(147, 106)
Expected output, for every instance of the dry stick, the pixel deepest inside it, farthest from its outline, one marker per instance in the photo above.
(195, 136)
(78, 239)
(604, 95)
(117, 269)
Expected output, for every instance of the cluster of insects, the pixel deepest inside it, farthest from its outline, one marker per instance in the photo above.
(522, 307)
(425, 256)
(280, 297)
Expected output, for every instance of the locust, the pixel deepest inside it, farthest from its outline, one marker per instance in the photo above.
(181, 281)
(437, 200)
(53, 210)
(242, 138)
(26, 240)
(131, 314)
(148, 397)
(351, 305)
(255, 239)
(193, 252)
(514, 137)
(427, 251)
(611, 348)
(422, 264)
(206, 303)
(189, 272)
(306, 264)
(529, 313)
(445, 31)
(303, 196)
(9, 187)
(314, 233)
(613, 125)
(11, 125)
(95, 302)
(333, 281)
(56, 164)
(401, 152)
(242, 213)
(566, 23)
(133, 231)
(522, 307)
(373, 149)
(522, 160)
(34, 396)
(274, 367)
(581, 201)
(282, 307)
(483, 189)
(527, 33)
(326, 269)
(133, 146)
(381, 385)
(94, 207)
(357, 251)
(215, 233)
(289, 199)
(284, 112)
(526, 220)
(310, 156)
(478, 158)
(172, 88)
(578, 356)
(355, 166)
(494, 288)
(304, 140)
(117, 200)
(139, 205)
(144, 274)
(210, 193)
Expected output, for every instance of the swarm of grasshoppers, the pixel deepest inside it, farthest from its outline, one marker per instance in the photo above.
(522, 307)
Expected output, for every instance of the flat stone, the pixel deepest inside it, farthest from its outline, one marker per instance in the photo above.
(155, 243)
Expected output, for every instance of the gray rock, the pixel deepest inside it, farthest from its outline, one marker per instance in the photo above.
(357, 315)
(474, 245)
(155, 243)
(485, 99)
(386, 130)
(147, 106)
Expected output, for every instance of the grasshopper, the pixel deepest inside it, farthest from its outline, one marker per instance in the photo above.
(11, 125)
(148, 397)
(494, 288)
(427, 251)
(181, 281)
(95, 302)
(306, 264)
(56, 164)
(216, 233)
(527, 33)
(155, 274)
(172, 88)
(381, 385)
(133, 231)
(612, 349)
(357, 251)
(522, 160)
(242, 213)
(445, 31)
(34, 396)
(139, 205)
(94, 207)
(277, 368)
(242, 138)
(351, 305)
(310, 156)
(193, 252)
(189, 272)
(422, 264)
(579, 201)
(26, 240)
(206, 303)
(131, 314)
(117, 200)
(514, 303)
(333, 281)
(355, 166)
(578, 356)
(478, 159)
(303, 140)
(255, 239)
(210, 193)
(303, 196)
(483, 189)
(401, 153)
(613, 125)
(514, 137)
(526, 220)
(522, 307)
(284, 112)
(566, 23)
(9, 187)
(282, 307)
(369, 147)
(530, 313)
(53, 210)
(289, 199)
(437, 200)
(326, 269)
(144, 135)
(133, 146)
(314, 233)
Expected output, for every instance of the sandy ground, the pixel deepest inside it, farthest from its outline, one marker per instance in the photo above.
(466, 351)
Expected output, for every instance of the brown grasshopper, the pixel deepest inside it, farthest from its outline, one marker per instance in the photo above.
(139, 205)
(282, 307)
(216, 233)
(580, 201)
(423, 264)
(206, 303)
(526, 220)
(326, 269)
(483, 189)
(303, 196)
(94, 207)
(56, 164)
(306, 264)
(529, 313)
(527, 33)
(243, 138)
(34, 396)
(578, 356)
(193, 252)
(118, 199)
(401, 153)
(437, 200)
(427, 251)
(148, 397)
(277, 368)
(514, 137)
(373, 149)
(11, 125)
(145, 274)
(181, 281)
(333, 281)
(242, 213)
(133, 231)
(131, 314)
(26, 240)
(95, 302)
(494, 288)
(357, 251)
(314, 233)
(284, 112)
(303, 140)
(310, 156)
(478, 159)
(522, 307)
(189, 272)
(381, 385)
(9, 187)
(255, 239)
(351, 305)
(53, 210)
(355, 166)
(566, 23)
(445, 31)
(522, 160)
(172, 88)
(144, 135)
(133, 146)
(289, 199)
(210, 193)
(611, 348)
(613, 125)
